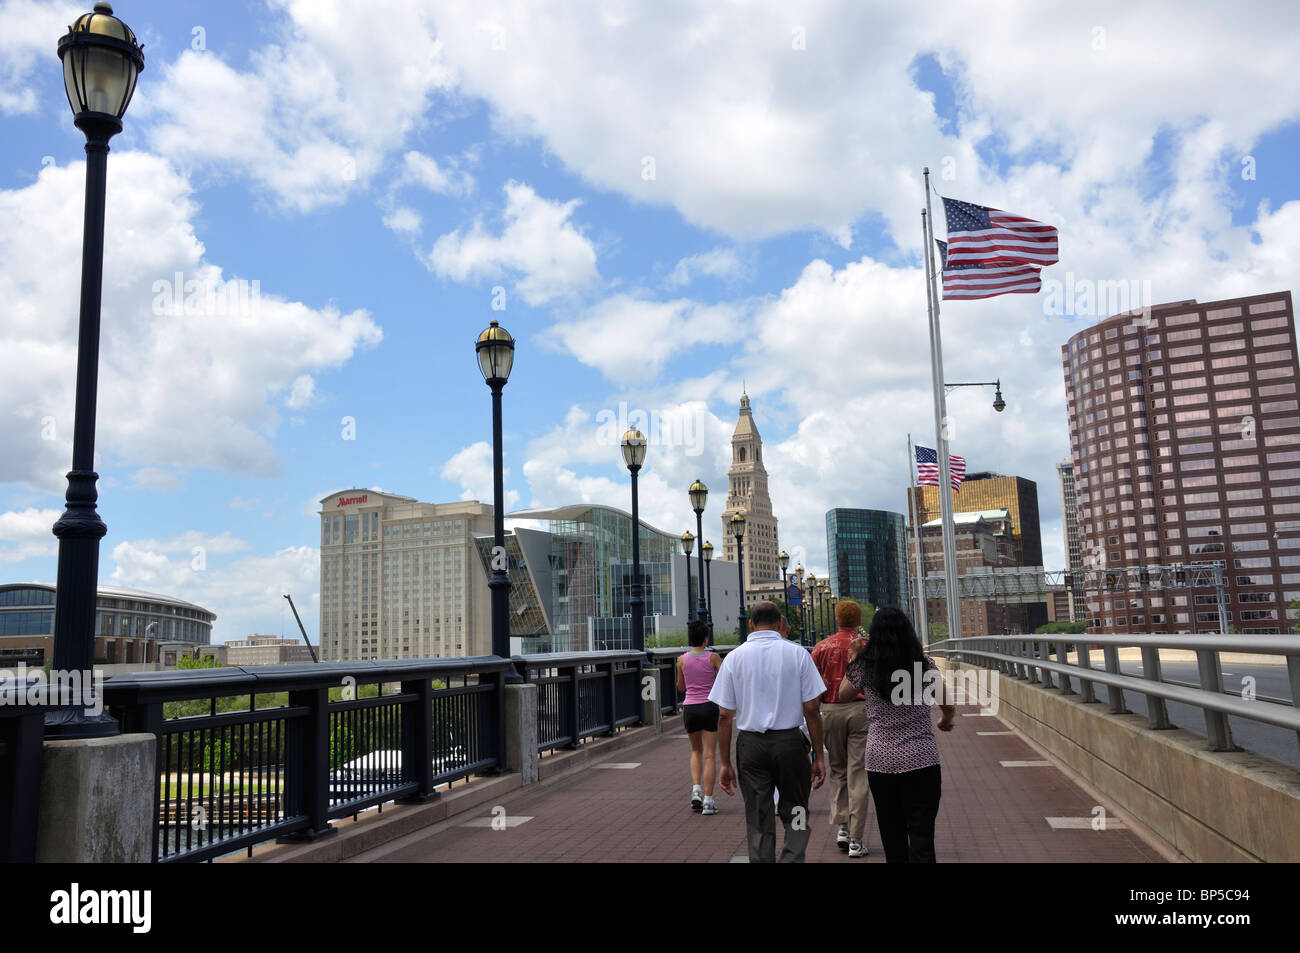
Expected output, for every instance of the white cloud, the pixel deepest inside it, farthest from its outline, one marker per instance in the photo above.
(403, 220)
(724, 263)
(538, 242)
(198, 383)
(631, 339)
(246, 592)
(157, 480)
(28, 533)
(29, 32)
(472, 469)
(316, 113)
(424, 171)
(301, 393)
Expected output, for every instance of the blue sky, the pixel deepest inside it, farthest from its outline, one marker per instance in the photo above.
(672, 198)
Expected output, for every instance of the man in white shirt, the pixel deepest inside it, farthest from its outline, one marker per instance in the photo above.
(764, 689)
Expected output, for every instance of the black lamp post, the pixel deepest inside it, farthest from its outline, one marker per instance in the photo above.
(101, 60)
(828, 608)
(688, 544)
(707, 552)
(634, 455)
(738, 531)
(699, 494)
(496, 356)
(803, 603)
(810, 598)
(998, 403)
(784, 559)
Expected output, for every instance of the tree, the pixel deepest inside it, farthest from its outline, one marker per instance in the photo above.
(343, 746)
(216, 755)
(1294, 606)
(190, 661)
(1060, 628)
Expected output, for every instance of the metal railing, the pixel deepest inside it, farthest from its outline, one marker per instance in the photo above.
(582, 694)
(1028, 657)
(22, 735)
(230, 779)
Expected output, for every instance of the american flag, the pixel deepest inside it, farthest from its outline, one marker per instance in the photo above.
(927, 468)
(978, 234)
(987, 280)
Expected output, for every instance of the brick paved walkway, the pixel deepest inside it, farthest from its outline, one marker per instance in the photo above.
(989, 813)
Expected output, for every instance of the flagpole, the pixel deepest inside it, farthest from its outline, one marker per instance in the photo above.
(923, 607)
(941, 425)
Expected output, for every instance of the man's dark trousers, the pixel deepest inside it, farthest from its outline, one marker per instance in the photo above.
(767, 761)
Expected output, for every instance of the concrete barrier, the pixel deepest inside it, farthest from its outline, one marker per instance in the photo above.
(1210, 806)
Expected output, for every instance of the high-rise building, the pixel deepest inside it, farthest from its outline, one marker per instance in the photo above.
(1070, 532)
(867, 554)
(993, 491)
(1185, 440)
(401, 579)
(747, 493)
(984, 540)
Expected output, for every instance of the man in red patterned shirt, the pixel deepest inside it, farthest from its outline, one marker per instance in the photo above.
(845, 731)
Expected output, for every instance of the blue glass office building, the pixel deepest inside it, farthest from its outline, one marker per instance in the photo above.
(867, 552)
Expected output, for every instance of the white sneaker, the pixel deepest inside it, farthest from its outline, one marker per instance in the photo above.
(710, 806)
(857, 848)
(842, 837)
(697, 798)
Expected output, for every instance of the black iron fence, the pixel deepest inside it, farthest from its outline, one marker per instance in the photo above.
(312, 743)
(584, 693)
(22, 730)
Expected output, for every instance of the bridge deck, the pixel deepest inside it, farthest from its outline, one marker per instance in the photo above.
(634, 806)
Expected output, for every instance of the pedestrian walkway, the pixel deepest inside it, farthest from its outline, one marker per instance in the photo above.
(1001, 803)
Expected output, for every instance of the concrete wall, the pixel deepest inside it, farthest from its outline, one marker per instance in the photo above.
(1210, 806)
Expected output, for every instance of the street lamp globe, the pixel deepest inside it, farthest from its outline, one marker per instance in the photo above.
(101, 61)
(688, 542)
(738, 525)
(698, 493)
(785, 560)
(707, 549)
(998, 403)
(634, 447)
(496, 353)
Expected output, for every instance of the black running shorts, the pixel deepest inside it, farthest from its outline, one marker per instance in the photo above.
(701, 717)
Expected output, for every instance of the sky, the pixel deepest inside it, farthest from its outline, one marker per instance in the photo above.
(315, 207)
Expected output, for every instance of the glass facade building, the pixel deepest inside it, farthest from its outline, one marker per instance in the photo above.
(576, 578)
(867, 554)
(994, 491)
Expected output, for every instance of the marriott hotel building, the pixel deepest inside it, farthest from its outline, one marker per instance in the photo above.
(1185, 445)
(401, 579)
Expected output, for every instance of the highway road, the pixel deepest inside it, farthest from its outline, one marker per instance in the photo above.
(1270, 681)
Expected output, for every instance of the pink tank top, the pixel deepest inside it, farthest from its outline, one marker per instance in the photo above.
(699, 675)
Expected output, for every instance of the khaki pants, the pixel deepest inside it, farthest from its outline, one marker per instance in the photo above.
(844, 728)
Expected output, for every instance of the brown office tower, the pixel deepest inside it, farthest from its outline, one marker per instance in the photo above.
(993, 491)
(1186, 449)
